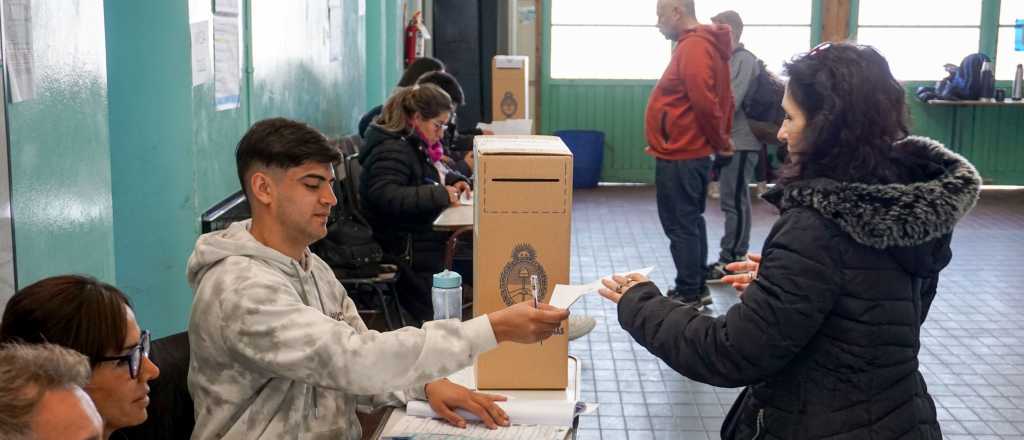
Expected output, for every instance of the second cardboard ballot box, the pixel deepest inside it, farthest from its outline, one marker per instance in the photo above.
(522, 225)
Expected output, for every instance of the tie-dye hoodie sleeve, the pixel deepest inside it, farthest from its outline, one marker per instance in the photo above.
(279, 348)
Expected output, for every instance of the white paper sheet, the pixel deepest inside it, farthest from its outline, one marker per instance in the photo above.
(520, 412)
(227, 71)
(509, 126)
(200, 52)
(565, 295)
(466, 198)
(422, 428)
(20, 57)
(226, 7)
(362, 8)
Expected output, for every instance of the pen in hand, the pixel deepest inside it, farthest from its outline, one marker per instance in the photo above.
(534, 287)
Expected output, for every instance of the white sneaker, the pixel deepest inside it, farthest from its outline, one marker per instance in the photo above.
(580, 325)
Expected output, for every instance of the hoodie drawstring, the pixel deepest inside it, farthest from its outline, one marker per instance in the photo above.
(302, 282)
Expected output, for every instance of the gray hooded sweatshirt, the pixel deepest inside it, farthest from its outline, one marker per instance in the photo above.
(279, 352)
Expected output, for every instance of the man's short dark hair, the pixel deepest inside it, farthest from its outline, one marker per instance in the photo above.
(281, 143)
(446, 82)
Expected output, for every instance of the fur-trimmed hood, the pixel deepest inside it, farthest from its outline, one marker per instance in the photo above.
(894, 215)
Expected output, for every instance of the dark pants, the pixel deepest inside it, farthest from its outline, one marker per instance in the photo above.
(681, 187)
(735, 201)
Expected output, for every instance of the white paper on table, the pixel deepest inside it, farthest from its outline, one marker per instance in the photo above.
(466, 198)
(509, 126)
(520, 412)
(20, 56)
(200, 31)
(430, 429)
(565, 295)
(227, 70)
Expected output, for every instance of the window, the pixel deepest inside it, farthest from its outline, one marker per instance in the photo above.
(775, 31)
(616, 39)
(1010, 49)
(944, 31)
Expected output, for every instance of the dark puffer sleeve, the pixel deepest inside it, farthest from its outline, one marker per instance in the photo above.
(389, 187)
(779, 313)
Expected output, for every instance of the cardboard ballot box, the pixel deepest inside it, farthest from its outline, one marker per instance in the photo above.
(522, 225)
(510, 87)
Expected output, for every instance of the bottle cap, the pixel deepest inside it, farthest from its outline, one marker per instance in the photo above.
(447, 280)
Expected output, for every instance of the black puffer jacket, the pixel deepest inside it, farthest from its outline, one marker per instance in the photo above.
(826, 339)
(400, 189)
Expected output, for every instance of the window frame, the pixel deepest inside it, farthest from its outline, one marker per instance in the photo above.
(546, 27)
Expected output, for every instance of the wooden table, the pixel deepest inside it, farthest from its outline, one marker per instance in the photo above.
(459, 221)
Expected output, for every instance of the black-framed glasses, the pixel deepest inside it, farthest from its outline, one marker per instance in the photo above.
(133, 358)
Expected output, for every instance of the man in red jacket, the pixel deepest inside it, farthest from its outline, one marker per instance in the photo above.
(688, 120)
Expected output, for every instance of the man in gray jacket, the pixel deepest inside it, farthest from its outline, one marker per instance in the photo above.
(735, 176)
(277, 347)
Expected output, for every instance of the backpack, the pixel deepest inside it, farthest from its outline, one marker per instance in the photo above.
(349, 246)
(966, 82)
(763, 103)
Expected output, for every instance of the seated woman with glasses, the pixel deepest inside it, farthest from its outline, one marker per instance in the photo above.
(95, 319)
(405, 185)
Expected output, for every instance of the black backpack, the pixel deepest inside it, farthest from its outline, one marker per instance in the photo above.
(349, 247)
(966, 82)
(763, 101)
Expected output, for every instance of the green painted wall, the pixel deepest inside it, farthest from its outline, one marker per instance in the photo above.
(172, 154)
(989, 136)
(59, 148)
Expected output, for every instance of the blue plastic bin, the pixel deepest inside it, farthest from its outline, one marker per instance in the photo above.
(587, 148)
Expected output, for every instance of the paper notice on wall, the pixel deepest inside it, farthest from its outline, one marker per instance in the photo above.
(226, 7)
(362, 8)
(226, 69)
(200, 52)
(1018, 39)
(20, 55)
(335, 22)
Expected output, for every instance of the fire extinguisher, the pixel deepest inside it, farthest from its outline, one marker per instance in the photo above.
(415, 37)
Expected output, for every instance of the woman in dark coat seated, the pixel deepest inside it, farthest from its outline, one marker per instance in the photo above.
(827, 333)
(405, 185)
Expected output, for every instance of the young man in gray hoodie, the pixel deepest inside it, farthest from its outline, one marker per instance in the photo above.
(734, 177)
(277, 347)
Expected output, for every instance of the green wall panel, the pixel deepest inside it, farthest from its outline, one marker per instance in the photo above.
(151, 156)
(172, 153)
(59, 148)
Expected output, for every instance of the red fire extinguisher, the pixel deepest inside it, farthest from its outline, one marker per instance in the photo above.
(415, 37)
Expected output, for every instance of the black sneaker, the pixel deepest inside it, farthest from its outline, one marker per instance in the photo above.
(716, 271)
(697, 302)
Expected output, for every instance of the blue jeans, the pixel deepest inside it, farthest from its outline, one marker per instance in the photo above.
(681, 187)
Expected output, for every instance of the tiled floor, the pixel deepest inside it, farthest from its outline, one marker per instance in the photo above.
(972, 344)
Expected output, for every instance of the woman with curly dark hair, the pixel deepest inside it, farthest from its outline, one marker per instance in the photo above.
(827, 333)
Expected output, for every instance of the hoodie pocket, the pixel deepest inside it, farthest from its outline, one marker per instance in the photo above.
(664, 127)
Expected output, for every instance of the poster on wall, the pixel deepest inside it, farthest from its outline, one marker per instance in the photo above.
(200, 52)
(1019, 35)
(226, 7)
(335, 15)
(226, 69)
(20, 55)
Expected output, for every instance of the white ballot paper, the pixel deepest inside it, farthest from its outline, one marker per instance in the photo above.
(565, 295)
(520, 412)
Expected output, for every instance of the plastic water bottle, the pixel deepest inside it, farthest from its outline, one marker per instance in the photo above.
(446, 295)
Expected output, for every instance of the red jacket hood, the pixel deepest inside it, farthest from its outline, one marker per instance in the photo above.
(719, 35)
